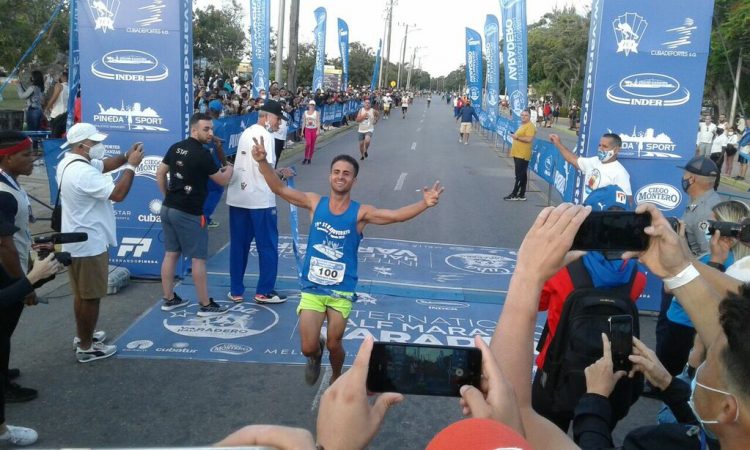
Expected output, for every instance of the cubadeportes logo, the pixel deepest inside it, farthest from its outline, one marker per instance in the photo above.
(664, 196)
(231, 349)
(147, 167)
(648, 89)
(481, 263)
(129, 65)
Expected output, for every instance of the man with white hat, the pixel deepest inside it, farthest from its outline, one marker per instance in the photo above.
(86, 196)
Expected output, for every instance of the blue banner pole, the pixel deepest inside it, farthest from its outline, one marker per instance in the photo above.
(376, 67)
(474, 82)
(320, 48)
(492, 42)
(260, 31)
(344, 51)
(514, 56)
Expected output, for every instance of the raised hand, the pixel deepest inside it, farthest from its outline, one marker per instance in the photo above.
(135, 154)
(555, 139)
(259, 150)
(432, 194)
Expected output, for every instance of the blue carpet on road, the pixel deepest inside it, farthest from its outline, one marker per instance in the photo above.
(408, 291)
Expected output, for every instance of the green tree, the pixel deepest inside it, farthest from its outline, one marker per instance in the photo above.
(218, 36)
(20, 27)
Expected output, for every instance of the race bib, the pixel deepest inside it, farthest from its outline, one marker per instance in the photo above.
(325, 272)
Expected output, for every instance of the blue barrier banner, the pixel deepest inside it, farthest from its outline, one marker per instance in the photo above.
(492, 42)
(376, 67)
(229, 128)
(474, 67)
(136, 82)
(514, 55)
(339, 112)
(644, 78)
(344, 51)
(328, 114)
(320, 48)
(504, 128)
(74, 68)
(260, 32)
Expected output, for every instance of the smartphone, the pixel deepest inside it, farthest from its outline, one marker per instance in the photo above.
(423, 369)
(613, 231)
(621, 339)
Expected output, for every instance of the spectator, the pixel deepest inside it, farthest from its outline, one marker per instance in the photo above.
(311, 120)
(466, 115)
(706, 135)
(57, 106)
(34, 96)
(521, 153)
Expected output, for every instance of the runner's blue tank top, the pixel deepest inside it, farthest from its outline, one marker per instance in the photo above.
(332, 246)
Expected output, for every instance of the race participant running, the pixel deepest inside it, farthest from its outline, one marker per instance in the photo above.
(367, 118)
(429, 99)
(387, 101)
(329, 273)
(405, 105)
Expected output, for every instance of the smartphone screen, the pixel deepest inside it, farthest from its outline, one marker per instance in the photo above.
(613, 230)
(423, 369)
(621, 339)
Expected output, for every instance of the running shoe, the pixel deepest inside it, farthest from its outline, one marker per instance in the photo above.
(521, 198)
(213, 224)
(99, 336)
(18, 436)
(272, 298)
(212, 309)
(97, 351)
(235, 298)
(312, 369)
(176, 302)
(510, 198)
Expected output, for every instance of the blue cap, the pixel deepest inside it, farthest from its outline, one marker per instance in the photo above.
(607, 197)
(215, 105)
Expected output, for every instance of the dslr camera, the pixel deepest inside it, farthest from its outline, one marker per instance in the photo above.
(740, 231)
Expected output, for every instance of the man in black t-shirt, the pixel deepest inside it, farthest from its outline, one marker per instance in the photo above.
(189, 166)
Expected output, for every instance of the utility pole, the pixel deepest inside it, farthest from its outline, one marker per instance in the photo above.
(408, 77)
(387, 43)
(403, 55)
(736, 93)
(280, 42)
(380, 69)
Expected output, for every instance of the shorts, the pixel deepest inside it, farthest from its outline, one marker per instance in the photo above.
(89, 276)
(465, 127)
(319, 303)
(184, 233)
(366, 133)
(742, 158)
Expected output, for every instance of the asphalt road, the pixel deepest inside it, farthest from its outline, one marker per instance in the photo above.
(146, 403)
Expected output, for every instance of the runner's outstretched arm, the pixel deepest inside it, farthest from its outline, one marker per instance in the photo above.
(307, 200)
(431, 195)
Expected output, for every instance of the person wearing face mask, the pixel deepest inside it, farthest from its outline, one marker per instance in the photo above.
(730, 148)
(698, 181)
(601, 170)
(87, 192)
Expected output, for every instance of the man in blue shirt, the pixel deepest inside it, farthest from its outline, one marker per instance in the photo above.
(466, 114)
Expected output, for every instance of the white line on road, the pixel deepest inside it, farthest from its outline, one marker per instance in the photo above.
(413, 145)
(400, 182)
(323, 386)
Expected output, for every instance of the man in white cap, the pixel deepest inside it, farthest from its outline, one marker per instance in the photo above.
(86, 196)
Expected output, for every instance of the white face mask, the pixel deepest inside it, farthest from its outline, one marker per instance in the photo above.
(97, 151)
(695, 384)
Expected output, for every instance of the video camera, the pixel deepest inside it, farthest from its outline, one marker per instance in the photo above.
(740, 231)
(59, 238)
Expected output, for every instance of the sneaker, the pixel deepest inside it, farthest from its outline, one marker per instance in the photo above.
(13, 374)
(510, 197)
(212, 309)
(99, 336)
(213, 224)
(460, 141)
(235, 298)
(97, 351)
(312, 369)
(273, 297)
(466, 143)
(176, 302)
(17, 394)
(520, 198)
(19, 436)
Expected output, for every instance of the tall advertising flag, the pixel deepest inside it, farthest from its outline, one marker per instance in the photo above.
(492, 43)
(344, 51)
(260, 32)
(136, 58)
(474, 81)
(643, 80)
(74, 70)
(320, 48)
(514, 55)
(376, 67)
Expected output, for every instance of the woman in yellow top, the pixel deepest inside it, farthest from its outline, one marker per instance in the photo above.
(521, 153)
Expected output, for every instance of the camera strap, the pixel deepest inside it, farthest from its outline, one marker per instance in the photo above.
(62, 175)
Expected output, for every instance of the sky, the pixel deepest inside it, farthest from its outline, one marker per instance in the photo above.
(436, 27)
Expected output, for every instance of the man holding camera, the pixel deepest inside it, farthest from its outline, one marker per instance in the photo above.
(86, 195)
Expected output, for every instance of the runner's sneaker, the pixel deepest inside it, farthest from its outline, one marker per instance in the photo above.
(212, 309)
(97, 351)
(176, 302)
(213, 224)
(99, 336)
(510, 197)
(18, 436)
(312, 369)
(235, 298)
(521, 198)
(273, 297)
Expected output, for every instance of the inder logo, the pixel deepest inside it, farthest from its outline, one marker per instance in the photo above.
(648, 89)
(129, 65)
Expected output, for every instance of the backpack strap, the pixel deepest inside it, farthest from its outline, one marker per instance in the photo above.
(62, 175)
(579, 275)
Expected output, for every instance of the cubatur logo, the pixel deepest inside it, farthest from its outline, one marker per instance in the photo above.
(629, 29)
(664, 196)
(240, 321)
(648, 89)
(129, 65)
(481, 263)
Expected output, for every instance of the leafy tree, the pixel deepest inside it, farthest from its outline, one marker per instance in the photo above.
(218, 36)
(20, 27)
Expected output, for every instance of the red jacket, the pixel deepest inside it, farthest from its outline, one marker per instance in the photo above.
(554, 293)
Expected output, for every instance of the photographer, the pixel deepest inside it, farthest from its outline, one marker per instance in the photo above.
(13, 290)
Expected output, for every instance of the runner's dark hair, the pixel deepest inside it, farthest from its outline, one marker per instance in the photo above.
(615, 138)
(348, 159)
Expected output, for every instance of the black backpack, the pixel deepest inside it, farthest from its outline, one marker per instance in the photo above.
(577, 344)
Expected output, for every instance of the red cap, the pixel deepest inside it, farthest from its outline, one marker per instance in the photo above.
(478, 434)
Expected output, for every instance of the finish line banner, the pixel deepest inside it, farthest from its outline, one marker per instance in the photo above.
(136, 67)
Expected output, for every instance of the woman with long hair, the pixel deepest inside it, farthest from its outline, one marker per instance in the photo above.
(311, 121)
(34, 96)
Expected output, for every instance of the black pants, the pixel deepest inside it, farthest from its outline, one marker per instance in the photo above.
(519, 188)
(279, 147)
(8, 320)
(673, 346)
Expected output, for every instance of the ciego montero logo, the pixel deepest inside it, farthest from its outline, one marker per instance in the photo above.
(648, 89)
(664, 196)
(147, 167)
(129, 65)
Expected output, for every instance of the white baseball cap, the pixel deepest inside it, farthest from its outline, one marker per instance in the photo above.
(82, 131)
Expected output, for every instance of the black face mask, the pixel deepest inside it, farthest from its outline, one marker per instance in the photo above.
(686, 184)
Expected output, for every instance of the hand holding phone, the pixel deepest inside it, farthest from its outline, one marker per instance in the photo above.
(621, 337)
(613, 231)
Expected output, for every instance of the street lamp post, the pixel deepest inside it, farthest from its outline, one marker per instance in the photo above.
(403, 52)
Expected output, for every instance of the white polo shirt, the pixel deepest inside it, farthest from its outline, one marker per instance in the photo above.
(597, 174)
(86, 207)
(247, 188)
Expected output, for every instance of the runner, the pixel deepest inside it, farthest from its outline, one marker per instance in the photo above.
(329, 272)
(429, 99)
(387, 101)
(367, 118)
(405, 104)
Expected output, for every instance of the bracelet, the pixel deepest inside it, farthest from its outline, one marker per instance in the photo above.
(129, 167)
(687, 275)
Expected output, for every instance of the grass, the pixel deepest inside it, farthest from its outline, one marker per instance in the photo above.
(11, 100)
